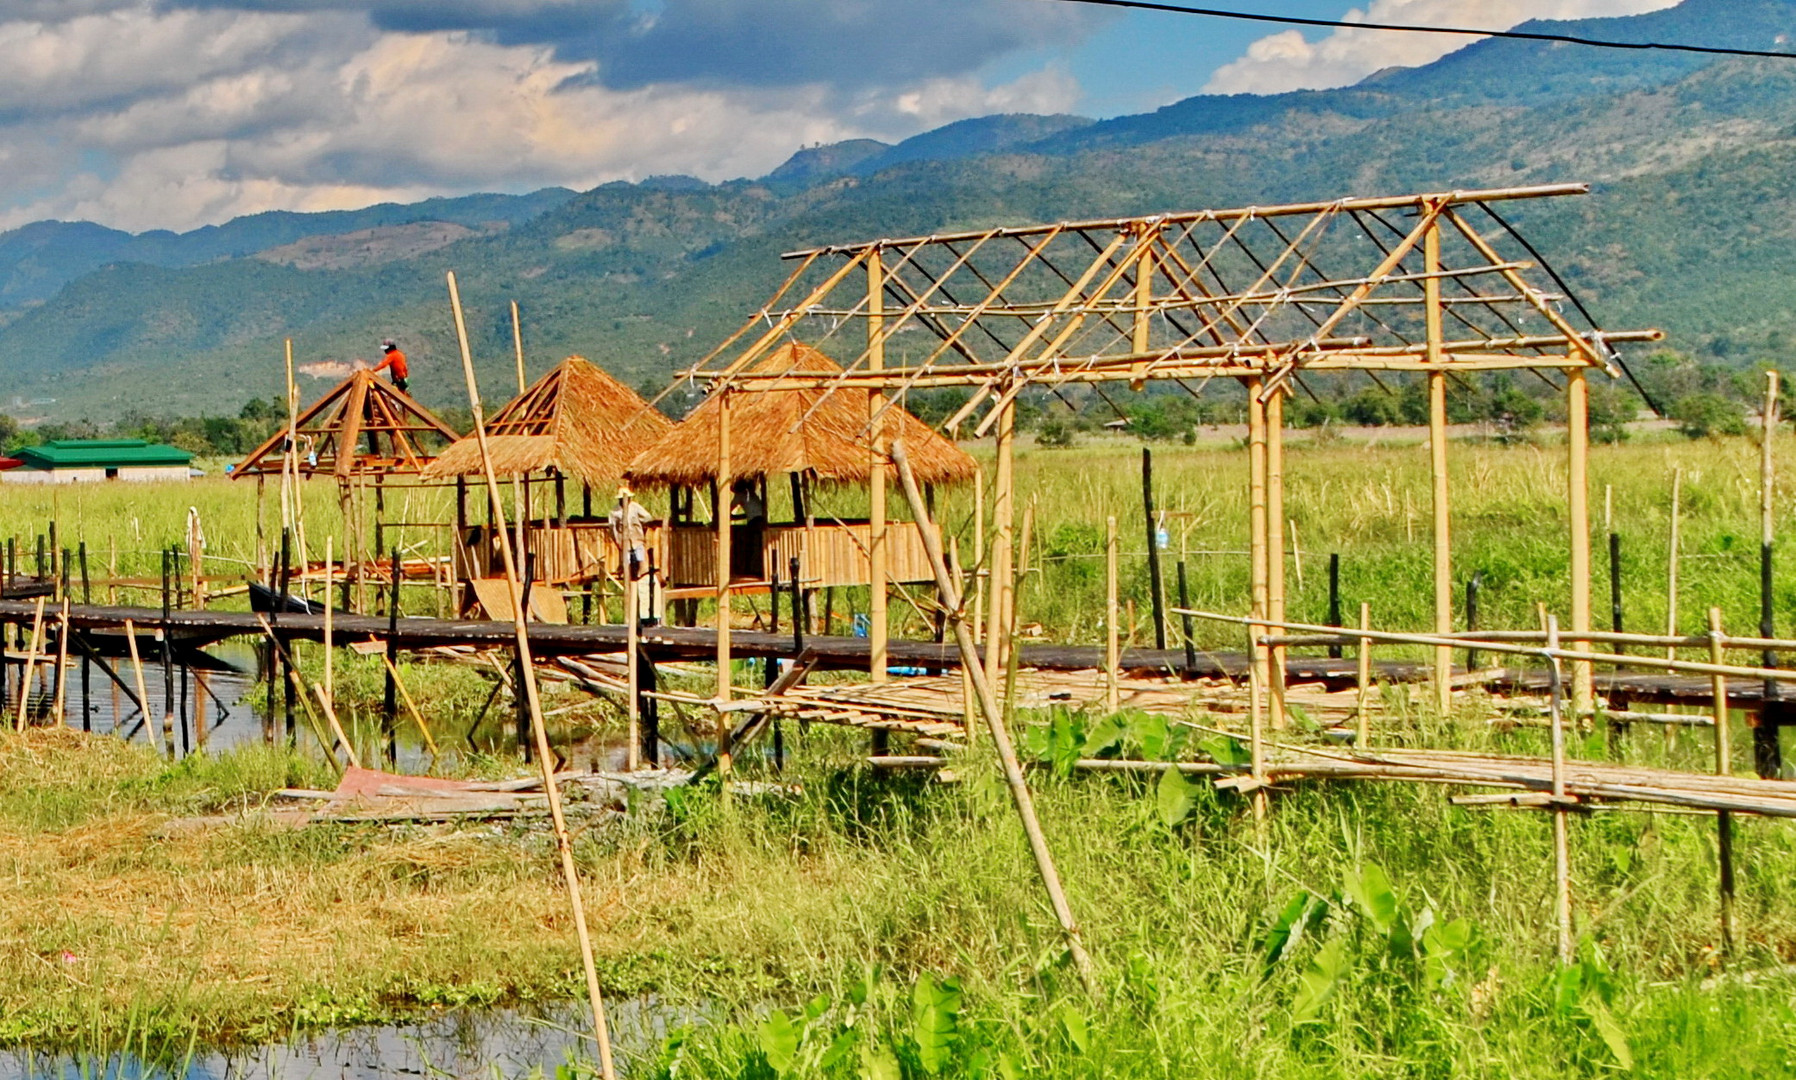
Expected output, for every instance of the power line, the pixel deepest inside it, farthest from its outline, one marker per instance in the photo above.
(1516, 35)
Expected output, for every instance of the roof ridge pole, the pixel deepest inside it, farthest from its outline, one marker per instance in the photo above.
(876, 473)
(1437, 459)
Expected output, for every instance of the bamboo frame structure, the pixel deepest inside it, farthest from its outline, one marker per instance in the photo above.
(1263, 295)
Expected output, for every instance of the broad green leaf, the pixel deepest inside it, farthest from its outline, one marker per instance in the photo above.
(877, 1063)
(1152, 733)
(1007, 1068)
(1317, 983)
(1174, 796)
(1609, 1030)
(1226, 751)
(1370, 890)
(1287, 930)
(1032, 743)
(935, 1015)
(840, 1049)
(816, 1007)
(779, 1041)
(1108, 732)
(1077, 1032)
(1568, 990)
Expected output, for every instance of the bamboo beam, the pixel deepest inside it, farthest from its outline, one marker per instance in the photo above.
(1275, 548)
(1258, 528)
(876, 478)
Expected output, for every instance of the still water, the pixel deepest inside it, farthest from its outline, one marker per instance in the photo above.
(496, 1044)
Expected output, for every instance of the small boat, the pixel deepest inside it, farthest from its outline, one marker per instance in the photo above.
(266, 600)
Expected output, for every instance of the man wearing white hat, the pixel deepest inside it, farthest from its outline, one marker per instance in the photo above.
(629, 522)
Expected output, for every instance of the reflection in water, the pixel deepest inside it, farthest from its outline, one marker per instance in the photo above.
(498, 1044)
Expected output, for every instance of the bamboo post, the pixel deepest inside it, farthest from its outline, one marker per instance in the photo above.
(1275, 546)
(1112, 649)
(632, 654)
(1003, 525)
(1156, 585)
(1767, 748)
(982, 565)
(994, 719)
(29, 668)
(1671, 566)
(517, 341)
(330, 692)
(62, 664)
(723, 582)
(958, 573)
(1561, 842)
(411, 707)
(545, 755)
(1577, 443)
(1724, 821)
(1257, 528)
(143, 696)
(877, 551)
(1363, 704)
(1437, 460)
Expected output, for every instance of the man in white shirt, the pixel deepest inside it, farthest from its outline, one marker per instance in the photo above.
(629, 522)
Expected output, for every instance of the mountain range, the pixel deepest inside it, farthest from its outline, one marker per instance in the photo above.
(1689, 228)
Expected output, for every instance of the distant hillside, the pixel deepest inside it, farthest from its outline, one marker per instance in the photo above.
(1689, 229)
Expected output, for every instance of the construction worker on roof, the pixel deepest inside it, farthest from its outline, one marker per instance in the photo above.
(395, 360)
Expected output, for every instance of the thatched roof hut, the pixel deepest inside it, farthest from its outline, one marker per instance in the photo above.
(362, 427)
(576, 420)
(767, 436)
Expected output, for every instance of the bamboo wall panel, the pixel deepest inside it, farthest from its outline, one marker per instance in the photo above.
(829, 554)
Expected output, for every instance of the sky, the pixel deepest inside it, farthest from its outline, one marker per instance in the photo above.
(144, 114)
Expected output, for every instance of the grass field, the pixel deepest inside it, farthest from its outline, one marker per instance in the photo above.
(866, 926)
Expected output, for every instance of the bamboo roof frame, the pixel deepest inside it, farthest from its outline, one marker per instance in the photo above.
(361, 405)
(1253, 292)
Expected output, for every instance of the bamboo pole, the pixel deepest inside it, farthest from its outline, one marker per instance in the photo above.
(1257, 526)
(876, 478)
(411, 707)
(1577, 444)
(632, 657)
(722, 509)
(544, 754)
(517, 341)
(1437, 460)
(1724, 821)
(994, 719)
(958, 572)
(1561, 842)
(1112, 648)
(330, 684)
(1767, 748)
(29, 668)
(1363, 705)
(982, 567)
(1671, 566)
(62, 665)
(1275, 545)
(1003, 523)
(143, 696)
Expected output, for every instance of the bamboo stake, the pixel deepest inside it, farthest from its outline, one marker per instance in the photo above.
(1275, 545)
(327, 740)
(1724, 821)
(411, 707)
(1561, 842)
(330, 684)
(1112, 650)
(1003, 523)
(1437, 460)
(632, 655)
(143, 696)
(994, 719)
(1363, 705)
(966, 680)
(29, 669)
(1257, 527)
(877, 552)
(1577, 442)
(1671, 571)
(544, 754)
(724, 560)
(982, 567)
(517, 340)
(62, 666)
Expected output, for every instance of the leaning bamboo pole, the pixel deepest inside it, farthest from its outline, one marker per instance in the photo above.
(62, 664)
(994, 719)
(544, 753)
(28, 669)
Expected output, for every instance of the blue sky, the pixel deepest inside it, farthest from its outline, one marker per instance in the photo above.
(176, 113)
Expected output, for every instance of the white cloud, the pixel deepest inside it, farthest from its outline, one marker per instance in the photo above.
(146, 117)
(1287, 61)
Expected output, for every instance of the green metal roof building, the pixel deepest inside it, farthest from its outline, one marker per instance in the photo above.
(72, 461)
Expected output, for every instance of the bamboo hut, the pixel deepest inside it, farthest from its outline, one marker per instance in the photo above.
(363, 427)
(578, 424)
(817, 438)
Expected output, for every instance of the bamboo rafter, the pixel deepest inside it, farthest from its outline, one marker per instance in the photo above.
(1265, 292)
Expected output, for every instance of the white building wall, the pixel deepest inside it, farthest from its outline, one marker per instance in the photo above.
(23, 475)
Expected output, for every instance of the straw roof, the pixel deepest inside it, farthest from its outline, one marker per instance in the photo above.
(576, 420)
(769, 434)
(362, 427)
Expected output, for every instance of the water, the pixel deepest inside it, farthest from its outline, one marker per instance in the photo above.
(493, 1044)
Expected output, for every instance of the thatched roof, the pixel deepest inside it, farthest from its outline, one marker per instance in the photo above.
(576, 419)
(766, 436)
(362, 427)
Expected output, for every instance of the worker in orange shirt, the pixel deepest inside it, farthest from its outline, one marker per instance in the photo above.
(395, 360)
